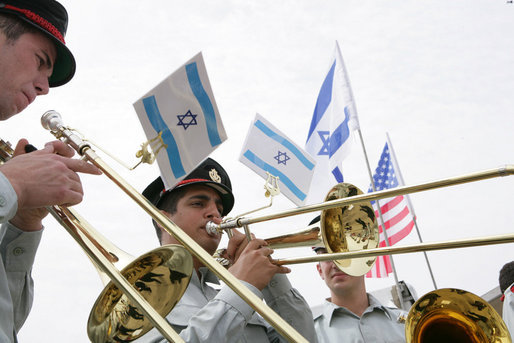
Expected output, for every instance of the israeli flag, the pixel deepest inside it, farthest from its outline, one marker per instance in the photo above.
(333, 121)
(267, 149)
(181, 116)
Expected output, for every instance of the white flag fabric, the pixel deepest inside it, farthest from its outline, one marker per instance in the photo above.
(267, 149)
(333, 121)
(182, 110)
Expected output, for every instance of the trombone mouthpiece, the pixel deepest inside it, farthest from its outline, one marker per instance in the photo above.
(51, 120)
(211, 228)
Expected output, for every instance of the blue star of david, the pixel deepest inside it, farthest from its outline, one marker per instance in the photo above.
(325, 139)
(282, 158)
(182, 119)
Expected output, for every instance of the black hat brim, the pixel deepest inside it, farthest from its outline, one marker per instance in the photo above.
(64, 64)
(155, 192)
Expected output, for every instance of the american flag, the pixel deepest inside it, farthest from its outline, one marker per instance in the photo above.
(398, 220)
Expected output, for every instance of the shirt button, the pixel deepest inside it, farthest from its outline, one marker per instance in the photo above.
(2, 201)
(18, 251)
(273, 283)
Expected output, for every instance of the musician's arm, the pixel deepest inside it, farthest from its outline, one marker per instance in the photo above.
(291, 306)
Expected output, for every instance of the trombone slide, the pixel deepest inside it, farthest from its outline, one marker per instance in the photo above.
(464, 243)
(103, 255)
(477, 176)
(51, 121)
(310, 236)
(68, 218)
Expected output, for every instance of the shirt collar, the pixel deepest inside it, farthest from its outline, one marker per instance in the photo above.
(375, 304)
(208, 276)
(329, 308)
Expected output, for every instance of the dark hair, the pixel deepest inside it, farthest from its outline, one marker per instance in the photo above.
(13, 28)
(168, 203)
(506, 276)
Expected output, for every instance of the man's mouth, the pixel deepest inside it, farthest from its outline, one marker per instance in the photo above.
(339, 274)
(30, 99)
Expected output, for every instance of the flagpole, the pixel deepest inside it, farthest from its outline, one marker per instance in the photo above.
(411, 208)
(357, 127)
(398, 288)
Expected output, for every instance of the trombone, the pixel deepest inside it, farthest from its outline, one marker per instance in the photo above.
(454, 315)
(346, 238)
(452, 181)
(345, 228)
(51, 120)
(124, 322)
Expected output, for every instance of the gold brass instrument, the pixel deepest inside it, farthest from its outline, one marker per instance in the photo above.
(341, 229)
(154, 281)
(51, 120)
(452, 316)
(405, 249)
(240, 222)
(339, 235)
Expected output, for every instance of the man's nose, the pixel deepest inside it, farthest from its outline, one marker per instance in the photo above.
(41, 84)
(212, 211)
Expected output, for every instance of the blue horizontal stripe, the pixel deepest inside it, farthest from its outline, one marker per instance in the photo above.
(287, 144)
(205, 103)
(275, 172)
(324, 99)
(154, 115)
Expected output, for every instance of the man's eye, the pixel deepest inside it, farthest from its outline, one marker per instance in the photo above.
(41, 61)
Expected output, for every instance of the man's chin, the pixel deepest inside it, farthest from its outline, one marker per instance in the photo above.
(20, 109)
(6, 114)
(211, 247)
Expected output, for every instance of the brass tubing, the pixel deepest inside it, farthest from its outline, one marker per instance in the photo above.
(311, 236)
(116, 277)
(88, 241)
(477, 176)
(454, 315)
(195, 249)
(464, 243)
(51, 121)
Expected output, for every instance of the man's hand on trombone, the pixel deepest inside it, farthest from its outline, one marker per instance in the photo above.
(251, 261)
(43, 178)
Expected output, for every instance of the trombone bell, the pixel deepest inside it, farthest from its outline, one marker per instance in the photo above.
(350, 228)
(453, 315)
(161, 276)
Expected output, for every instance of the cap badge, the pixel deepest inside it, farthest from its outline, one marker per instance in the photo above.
(213, 174)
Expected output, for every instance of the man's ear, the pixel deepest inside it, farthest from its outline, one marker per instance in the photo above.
(318, 267)
(165, 213)
(163, 232)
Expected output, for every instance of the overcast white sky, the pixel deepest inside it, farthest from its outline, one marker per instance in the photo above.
(438, 76)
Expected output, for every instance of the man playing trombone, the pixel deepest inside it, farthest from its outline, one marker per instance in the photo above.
(33, 58)
(205, 314)
(351, 314)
